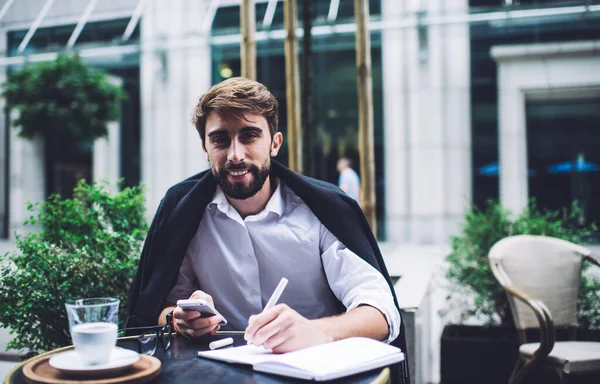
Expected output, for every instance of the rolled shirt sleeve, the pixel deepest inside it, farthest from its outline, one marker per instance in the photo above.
(355, 282)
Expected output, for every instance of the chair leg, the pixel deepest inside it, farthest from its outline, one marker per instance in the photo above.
(519, 373)
(516, 369)
(564, 378)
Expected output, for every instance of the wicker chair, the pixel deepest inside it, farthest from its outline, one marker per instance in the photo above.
(541, 276)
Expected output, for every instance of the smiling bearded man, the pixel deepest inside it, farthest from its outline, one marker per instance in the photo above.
(228, 236)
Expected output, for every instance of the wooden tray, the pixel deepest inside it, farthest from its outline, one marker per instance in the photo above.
(40, 371)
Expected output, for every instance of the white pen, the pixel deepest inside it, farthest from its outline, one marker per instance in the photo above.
(220, 343)
(275, 296)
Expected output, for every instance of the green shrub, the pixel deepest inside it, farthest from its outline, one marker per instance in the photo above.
(470, 273)
(87, 246)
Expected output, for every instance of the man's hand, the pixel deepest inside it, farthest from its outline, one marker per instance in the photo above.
(284, 330)
(190, 324)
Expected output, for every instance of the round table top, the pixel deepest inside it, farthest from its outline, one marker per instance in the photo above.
(180, 363)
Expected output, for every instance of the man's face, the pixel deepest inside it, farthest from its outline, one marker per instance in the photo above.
(239, 152)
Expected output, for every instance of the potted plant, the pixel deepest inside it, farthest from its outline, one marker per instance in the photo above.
(67, 105)
(488, 352)
(87, 246)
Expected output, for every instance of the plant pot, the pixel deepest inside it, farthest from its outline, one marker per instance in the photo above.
(477, 354)
(588, 335)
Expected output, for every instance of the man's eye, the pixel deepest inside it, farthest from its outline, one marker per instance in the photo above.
(220, 140)
(249, 136)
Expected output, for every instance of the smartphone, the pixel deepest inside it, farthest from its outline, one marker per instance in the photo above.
(202, 306)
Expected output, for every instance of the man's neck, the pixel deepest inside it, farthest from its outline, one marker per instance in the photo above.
(255, 204)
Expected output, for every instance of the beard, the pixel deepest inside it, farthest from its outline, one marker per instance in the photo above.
(242, 190)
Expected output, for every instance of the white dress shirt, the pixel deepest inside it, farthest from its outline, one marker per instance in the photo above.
(239, 262)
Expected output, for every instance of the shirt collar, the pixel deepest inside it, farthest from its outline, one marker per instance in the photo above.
(275, 204)
(220, 200)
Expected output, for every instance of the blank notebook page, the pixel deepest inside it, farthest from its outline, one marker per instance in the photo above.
(339, 356)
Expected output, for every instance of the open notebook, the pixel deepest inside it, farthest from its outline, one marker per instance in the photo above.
(322, 362)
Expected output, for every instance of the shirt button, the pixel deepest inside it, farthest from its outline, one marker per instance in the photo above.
(254, 292)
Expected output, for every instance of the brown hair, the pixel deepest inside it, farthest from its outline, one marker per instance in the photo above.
(236, 97)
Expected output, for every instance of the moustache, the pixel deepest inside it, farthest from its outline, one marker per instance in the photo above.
(238, 166)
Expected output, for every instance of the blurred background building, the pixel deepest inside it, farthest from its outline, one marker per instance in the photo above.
(473, 100)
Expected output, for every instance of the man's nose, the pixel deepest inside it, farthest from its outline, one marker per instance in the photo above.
(237, 151)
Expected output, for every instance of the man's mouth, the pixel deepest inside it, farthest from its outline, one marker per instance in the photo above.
(238, 173)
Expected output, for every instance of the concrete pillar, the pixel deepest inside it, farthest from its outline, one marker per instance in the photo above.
(395, 53)
(27, 179)
(173, 75)
(512, 139)
(106, 162)
(427, 123)
(456, 123)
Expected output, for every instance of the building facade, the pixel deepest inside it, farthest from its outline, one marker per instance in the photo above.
(447, 132)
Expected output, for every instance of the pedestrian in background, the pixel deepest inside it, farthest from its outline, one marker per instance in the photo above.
(349, 181)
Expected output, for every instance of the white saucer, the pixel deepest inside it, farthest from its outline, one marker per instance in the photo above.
(70, 362)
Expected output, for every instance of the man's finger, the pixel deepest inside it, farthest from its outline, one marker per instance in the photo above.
(265, 333)
(256, 322)
(205, 331)
(276, 341)
(202, 295)
(285, 347)
(274, 333)
(203, 322)
(187, 315)
(281, 323)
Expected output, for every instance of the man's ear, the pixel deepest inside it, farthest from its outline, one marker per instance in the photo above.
(276, 143)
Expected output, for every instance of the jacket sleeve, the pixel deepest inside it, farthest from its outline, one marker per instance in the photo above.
(141, 278)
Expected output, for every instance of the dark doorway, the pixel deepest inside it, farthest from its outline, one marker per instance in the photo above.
(563, 156)
(66, 163)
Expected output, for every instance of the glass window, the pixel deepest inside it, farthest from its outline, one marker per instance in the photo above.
(107, 31)
(563, 156)
(56, 38)
(346, 10)
(227, 19)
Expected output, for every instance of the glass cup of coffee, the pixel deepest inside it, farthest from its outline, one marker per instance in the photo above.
(93, 326)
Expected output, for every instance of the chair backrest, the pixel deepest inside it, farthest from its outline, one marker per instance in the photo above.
(547, 269)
